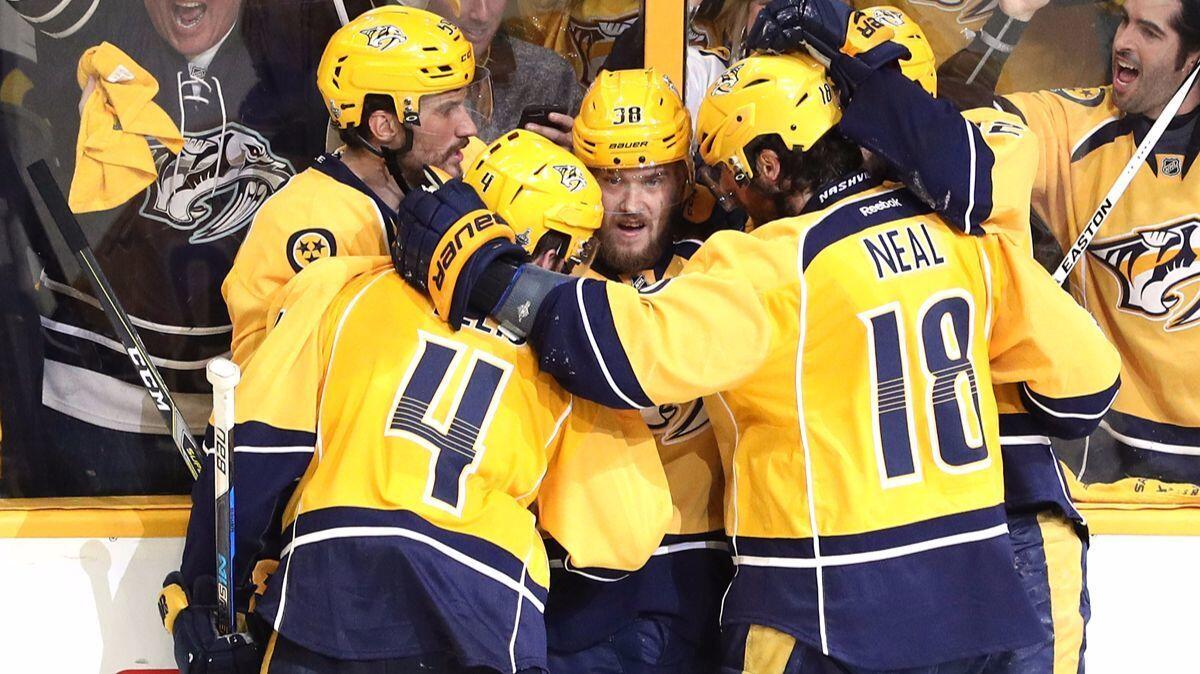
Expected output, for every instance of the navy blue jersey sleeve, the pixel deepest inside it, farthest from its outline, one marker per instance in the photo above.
(972, 167)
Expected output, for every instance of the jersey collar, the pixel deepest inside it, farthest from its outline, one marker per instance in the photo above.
(332, 165)
(840, 188)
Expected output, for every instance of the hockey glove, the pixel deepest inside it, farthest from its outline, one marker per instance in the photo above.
(854, 43)
(445, 239)
(199, 648)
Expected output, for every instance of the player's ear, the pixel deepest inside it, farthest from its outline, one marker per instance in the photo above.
(384, 126)
(767, 165)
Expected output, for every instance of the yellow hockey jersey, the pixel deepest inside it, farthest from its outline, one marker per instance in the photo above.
(978, 168)
(1139, 275)
(404, 458)
(852, 352)
(321, 212)
(689, 572)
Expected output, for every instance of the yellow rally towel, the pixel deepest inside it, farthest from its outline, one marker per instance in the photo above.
(112, 156)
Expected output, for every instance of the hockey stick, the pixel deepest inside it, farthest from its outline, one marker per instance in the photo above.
(224, 375)
(1075, 253)
(152, 381)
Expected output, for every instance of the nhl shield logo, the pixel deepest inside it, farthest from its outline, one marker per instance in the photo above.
(570, 177)
(309, 245)
(1155, 267)
(524, 237)
(384, 37)
(1170, 165)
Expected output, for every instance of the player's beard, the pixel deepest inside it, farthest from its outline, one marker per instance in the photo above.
(618, 257)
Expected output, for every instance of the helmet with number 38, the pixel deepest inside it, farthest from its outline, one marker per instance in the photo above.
(631, 119)
(544, 192)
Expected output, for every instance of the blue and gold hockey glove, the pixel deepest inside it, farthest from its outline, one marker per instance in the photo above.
(856, 44)
(199, 648)
(445, 239)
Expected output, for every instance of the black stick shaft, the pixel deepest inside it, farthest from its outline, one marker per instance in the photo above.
(151, 380)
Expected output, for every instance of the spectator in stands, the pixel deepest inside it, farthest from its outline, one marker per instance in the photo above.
(518, 74)
(582, 31)
(1137, 276)
(228, 74)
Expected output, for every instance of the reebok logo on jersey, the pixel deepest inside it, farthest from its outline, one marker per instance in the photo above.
(872, 209)
(1152, 265)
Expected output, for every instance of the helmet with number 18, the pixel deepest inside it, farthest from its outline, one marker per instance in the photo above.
(789, 95)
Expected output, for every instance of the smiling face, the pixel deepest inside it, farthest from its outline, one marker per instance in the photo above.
(638, 207)
(1147, 60)
(193, 26)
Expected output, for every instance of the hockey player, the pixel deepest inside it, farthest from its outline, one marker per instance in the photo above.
(855, 347)
(1049, 536)
(395, 84)
(634, 134)
(409, 543)
(1135, 276)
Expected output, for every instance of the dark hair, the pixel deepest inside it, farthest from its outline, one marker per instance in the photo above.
(361, 133)
(1187, 23)
(833, 156)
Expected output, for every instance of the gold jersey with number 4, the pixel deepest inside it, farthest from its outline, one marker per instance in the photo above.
(415, 453)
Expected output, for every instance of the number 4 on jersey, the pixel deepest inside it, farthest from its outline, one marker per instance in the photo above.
(455, 445)
(951, 396)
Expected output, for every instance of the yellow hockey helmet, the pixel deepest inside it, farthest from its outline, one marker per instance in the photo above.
(921, 67)
(540, 188)
(399, 52)
(787, 94)
(631, 119)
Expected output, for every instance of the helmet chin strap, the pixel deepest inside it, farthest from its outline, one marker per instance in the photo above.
(391, 157)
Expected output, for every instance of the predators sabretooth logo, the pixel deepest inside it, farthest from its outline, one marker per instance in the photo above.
(728, 80)
(570, 177)
(384, 37)
(216, 184)
(1153, 265)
